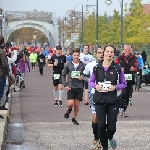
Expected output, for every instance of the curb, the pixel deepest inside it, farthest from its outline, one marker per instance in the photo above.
(4, 124)
(14, 129)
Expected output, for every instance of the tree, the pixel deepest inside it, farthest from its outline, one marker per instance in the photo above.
(114, 29)
(71, 25)
(103, 27)
(89, 30)
(136, 25)
(26, 35)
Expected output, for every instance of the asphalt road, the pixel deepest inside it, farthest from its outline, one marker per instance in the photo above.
(46, 129)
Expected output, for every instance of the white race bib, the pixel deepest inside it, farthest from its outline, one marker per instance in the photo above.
(105, 86)
(75, 74)
(41, 60)
(128, 77)
(56, 76)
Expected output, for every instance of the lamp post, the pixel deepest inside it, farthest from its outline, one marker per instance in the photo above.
(73, 17)
(53, 22)
(64, 21)
(86, 11)
(1, 18)
(108, 2)
(35, 37)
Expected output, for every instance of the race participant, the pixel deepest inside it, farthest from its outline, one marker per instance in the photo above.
(74, 70)
(41, 62)
(88, 72)
(85, 57)
(68, 56)
(57, 61)
(105, 79)
(128, 63)
(33, 59)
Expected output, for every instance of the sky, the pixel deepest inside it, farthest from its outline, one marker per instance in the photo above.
(60, 7)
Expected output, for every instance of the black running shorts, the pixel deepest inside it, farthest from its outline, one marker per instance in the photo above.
(75, 93)
(57, 81)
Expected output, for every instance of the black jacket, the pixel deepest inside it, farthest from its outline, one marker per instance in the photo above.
(127, 63)
(110, 75)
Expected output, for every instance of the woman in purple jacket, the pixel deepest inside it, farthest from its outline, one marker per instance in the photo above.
(108, 79)
(23, 67)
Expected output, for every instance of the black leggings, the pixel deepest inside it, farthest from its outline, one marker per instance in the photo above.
(41, 68)
(127, 95)
(106, 131)
(33, 65)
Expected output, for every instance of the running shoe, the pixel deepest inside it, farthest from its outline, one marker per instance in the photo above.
(113, 143)
(55, 103)
(66, 115)
(130, 103)
(96, 144)
(121, 111)
(60, 103)
(124, 114)
(75, 121)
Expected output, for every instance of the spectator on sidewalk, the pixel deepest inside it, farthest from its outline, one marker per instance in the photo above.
(4, 68)
(140, 65)
(144, 56)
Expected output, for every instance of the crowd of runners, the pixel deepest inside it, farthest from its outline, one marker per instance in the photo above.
(105, 80)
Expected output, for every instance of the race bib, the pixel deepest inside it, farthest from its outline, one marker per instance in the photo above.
(41, 60)
(105, 86)
(56, 76)
(75, 74)
(128, 77)
(56, 60)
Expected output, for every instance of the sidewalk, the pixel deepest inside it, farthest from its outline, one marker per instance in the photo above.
(46, 129)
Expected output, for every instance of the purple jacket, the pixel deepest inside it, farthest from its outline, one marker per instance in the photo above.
(119, 86)
(23, 67)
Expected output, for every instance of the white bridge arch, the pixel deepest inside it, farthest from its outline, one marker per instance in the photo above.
(50, 32)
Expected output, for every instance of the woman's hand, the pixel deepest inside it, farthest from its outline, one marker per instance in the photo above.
(111, 88)
(98, 87)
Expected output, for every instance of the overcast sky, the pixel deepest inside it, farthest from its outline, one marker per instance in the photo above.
(59, 6)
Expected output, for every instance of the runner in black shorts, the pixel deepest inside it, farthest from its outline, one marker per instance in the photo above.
(75, 86)
(57, 61)
(86, 57)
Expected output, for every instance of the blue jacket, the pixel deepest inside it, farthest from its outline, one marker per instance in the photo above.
(68, 58)
(140, 62)
(146, 71)
(45, 52)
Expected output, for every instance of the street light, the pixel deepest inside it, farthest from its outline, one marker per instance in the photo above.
(35, 37)
(86, 11)
(74, 16)
(96, 20)
(1, 17)
(64, 21)
(108, 2)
